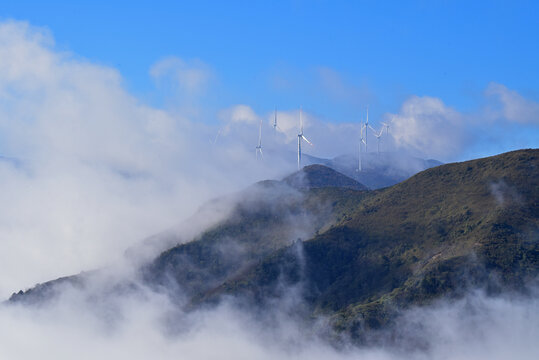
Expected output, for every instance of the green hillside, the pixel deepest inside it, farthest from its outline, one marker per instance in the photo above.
(361, 256)
(449, 228)
(269, 216)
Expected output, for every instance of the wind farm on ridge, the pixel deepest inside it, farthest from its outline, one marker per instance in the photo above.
(363, 138)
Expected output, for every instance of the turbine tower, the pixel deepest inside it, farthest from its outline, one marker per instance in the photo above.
(361, 142)
(387, 127)
(300, 137)
(258, 149)
(366, 131)
(275, 120)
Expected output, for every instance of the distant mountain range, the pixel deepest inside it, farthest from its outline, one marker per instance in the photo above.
(354, 255)
(378, 170)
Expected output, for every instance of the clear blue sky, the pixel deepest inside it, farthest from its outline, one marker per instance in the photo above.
(388, 50)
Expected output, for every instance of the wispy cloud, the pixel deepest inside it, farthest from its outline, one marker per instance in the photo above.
(426, 126)
(191, 77)
(510, 105)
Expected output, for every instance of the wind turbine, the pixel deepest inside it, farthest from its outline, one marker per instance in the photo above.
(378, 135)
(361, 142)
(300, 137)
(387, 127)
(258, 148)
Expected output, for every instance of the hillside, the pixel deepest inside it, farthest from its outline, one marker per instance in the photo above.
(269, 216)
(361, 256)
(443, 231)
(254, 223)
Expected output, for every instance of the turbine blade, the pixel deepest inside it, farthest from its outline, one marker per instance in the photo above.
(300, 121)
(367, 115)
(308, 142)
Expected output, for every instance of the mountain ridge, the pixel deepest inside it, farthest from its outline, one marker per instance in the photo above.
(363, 255)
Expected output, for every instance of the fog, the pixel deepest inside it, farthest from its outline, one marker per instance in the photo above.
(143, 324)
(87, 170)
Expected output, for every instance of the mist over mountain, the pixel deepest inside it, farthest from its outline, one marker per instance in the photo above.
(379, 169)
(317, 246)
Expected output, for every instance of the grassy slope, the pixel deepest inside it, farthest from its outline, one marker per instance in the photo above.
(448, 228)
(267, 219)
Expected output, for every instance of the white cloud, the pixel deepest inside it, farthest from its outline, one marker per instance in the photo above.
(239, 114)
(511, 105)
(427, 127)
(288, 123)
(94, 170)
(191, 77)
(148, 326)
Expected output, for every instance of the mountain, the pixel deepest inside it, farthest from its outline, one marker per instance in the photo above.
(320, 176)
(441, 232)
(269, 216)
(379, 170)
(359, 257)
(234, 232)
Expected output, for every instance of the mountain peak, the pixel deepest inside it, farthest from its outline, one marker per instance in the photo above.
(318, 176)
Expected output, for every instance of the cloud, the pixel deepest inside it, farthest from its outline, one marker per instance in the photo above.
(512, 106)
(288, 123)
(146, 325)
(239, 114)
(190, 77)
(427, 127)
(86, 170)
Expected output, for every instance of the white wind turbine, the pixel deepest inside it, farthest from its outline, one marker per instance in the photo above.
(377, 135)
(300, 137)
(361, 142)
(366, 126)
(258, 149)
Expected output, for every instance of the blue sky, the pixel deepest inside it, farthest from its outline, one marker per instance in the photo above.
(333, 57)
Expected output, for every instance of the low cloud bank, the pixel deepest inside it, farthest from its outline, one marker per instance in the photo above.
(142, 324)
